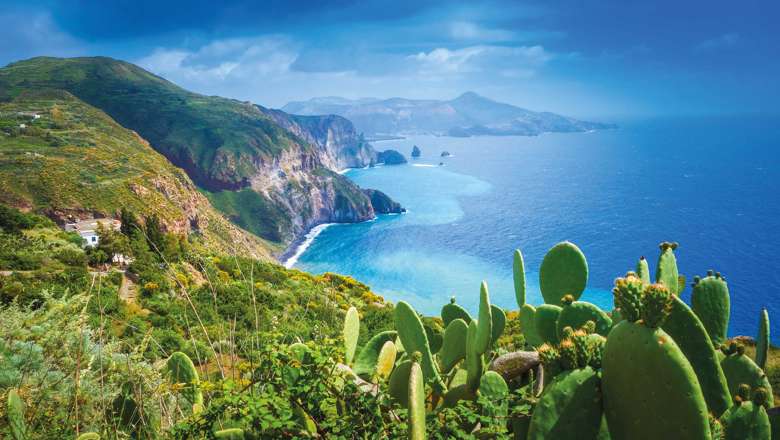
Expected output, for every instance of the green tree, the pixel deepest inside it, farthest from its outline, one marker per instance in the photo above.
(129, 222)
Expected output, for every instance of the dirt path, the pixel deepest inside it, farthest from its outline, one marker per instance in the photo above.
(128, 289)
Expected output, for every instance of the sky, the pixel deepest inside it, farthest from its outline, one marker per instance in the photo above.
(599, 58)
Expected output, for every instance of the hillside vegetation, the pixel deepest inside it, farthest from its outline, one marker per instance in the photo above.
(74, 160)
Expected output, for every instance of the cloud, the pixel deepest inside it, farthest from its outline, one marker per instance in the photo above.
(25, 34)
(730, 39)
(512, 61)
(466, 30)
(235, 59)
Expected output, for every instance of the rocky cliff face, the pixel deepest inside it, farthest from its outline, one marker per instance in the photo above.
(340, 146)
(382, 203)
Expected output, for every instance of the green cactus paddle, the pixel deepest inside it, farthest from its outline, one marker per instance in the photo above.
(564, 271)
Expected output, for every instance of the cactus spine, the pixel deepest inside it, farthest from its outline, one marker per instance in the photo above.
(416, 400)
(351, 334)
(15, 414)
(710, 301)
(762, 341)
(518, 275)
(564, 271)
(181, 370)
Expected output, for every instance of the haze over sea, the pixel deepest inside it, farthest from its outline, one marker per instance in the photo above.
(711, 184)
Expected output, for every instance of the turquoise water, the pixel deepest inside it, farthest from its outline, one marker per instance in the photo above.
(710, 184)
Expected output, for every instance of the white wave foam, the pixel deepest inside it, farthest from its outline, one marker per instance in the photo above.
(425, 165)
(307, 241)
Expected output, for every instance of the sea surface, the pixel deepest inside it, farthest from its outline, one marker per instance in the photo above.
(711, 184)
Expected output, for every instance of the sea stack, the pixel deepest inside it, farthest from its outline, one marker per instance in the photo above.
(416, 151)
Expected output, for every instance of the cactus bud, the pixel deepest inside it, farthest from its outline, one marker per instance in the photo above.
(743, 393)
(710, 273)
(567, 333)
(656, 305)
(568, 352)
(416, 356)
(740, 349)
(760, 396)
(452, 300)
(589, 327)
(567, 300)
(628, 292)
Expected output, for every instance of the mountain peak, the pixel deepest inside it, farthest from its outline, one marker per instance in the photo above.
(469, 96)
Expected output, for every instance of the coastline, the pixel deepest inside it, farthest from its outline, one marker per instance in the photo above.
(299, 246)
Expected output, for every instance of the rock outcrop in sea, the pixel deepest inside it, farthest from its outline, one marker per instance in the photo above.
(391, 157)
(416, 151)
(382, 203)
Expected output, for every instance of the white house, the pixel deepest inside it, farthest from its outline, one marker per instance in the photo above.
(88, 229)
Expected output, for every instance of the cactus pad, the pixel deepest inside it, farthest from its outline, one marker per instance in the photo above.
(518, 275)
(643, 270)
(398, 385)
(687, 330)
(366, 361)
(453, 349)
(474, 365)
(180, 369)
(577, 313)
(230, 434)
(498, 318)
(453, 311)
(740, 369)
(493, 386)
(528, 326)
(762, 341)
(385, 361)
(485, 321)
(711, 303)
(564, 271)
(650, 389)
(351, 334)
(412, 334)
(746, 421)
(546, 321)
(666, 271)
(569, 408)
(416, 389)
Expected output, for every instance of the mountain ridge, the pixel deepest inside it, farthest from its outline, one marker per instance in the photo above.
(285, 165)
(469, 114)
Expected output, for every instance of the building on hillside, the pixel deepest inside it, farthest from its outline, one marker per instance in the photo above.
(88, 229)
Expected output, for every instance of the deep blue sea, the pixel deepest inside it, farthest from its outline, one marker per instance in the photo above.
(711, 184)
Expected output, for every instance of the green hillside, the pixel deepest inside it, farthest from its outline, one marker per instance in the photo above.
(216, 140)
(73, 160)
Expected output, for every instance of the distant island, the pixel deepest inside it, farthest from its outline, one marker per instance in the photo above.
(467, 115)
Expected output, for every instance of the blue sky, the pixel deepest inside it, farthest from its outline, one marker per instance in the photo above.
(607, 58)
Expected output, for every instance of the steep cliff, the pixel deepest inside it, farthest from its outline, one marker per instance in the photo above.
(280, 168)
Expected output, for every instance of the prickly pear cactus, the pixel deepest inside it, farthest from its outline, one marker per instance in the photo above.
(434, 336)
(649, 388)
(528, 325)
(569, 408)
(628, 297)
(564, 271)
(498, 321)
(643, 270)
(412, 334)
(416, 389)
(453, 349)
(687, 330)
(546, 323)
(747, 420)
(453, 311)
(518, 275)
(181, 370)
(88, 436)
(740, 369)
(485, 322)
(666, 271)
(762, 341)
(366, 361)
(15, 414)
(351, 334)
(711, 303)
(575, 314)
